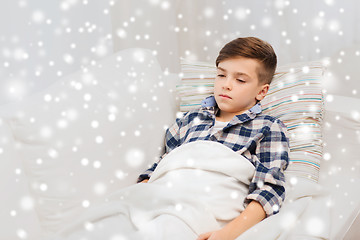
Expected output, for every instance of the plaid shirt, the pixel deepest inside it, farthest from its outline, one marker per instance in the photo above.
(262, 139)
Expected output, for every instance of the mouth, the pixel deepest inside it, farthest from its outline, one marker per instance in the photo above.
(224, 96)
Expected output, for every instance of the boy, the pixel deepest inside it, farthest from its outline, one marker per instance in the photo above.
(245, 67)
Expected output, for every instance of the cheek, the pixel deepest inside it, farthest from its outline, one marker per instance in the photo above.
(216, 85)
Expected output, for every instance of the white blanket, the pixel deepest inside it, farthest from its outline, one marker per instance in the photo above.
(199, 187)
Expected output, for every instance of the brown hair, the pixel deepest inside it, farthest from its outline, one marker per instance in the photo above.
(255, 48)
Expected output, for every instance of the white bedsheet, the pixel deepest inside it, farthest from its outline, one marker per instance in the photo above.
(197, 188)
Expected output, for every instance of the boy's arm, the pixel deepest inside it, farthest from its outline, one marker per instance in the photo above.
(268, 184)
(252, 214)
(147, 174)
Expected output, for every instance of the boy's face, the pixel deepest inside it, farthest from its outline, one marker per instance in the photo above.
(237, 87)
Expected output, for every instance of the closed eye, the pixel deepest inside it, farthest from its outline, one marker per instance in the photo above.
(221, 75)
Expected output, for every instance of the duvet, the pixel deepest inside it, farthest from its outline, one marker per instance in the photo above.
(198, 187)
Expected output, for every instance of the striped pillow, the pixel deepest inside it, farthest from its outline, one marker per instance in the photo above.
(295, 97)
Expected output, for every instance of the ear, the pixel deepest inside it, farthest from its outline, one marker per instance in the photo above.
(262, 92)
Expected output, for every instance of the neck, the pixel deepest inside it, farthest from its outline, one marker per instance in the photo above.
(225, 117)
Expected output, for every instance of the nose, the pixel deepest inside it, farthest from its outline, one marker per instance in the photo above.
(227, 83)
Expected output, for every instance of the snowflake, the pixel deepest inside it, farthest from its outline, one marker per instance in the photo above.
(135, 157)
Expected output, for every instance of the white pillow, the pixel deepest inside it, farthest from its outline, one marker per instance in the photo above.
(340, 170)
(295, 96)
(341, 137)
(92, 133)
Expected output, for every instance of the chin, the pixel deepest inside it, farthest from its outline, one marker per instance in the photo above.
(225, 109)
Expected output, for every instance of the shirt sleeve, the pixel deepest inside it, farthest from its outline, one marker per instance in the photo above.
(268, 184)
(172, 140)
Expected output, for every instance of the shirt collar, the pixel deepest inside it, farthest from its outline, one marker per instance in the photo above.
(209, 104)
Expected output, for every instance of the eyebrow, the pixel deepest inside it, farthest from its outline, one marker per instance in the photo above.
(237, 73)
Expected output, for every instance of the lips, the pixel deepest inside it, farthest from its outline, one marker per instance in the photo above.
(224, 96)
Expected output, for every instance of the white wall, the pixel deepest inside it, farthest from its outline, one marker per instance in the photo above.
(298, 30)
(148, 24)
(41, 41)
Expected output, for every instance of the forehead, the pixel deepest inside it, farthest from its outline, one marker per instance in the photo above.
(240, 66)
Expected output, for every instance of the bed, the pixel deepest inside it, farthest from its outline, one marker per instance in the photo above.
(89, 135)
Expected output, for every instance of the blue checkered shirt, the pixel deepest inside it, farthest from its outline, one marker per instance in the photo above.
(261, 138)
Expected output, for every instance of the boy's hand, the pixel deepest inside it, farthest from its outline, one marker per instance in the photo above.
(216, 235)
(253, 214)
